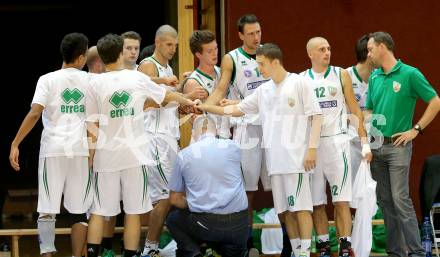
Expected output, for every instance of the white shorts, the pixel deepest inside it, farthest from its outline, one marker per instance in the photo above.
(130, 184)
(253, 161)
(162, 149)
(291, 192)
(70, 177)
(355, 156)
(332, 165)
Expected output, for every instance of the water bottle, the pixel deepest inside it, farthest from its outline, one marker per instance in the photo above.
(427, 237)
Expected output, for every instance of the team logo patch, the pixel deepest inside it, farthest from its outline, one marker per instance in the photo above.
(74, 95)
(120, 98)
(396, 86)
(332, 90)
(247, 73)
(291, 101)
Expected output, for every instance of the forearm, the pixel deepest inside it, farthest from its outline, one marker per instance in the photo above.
(175, 97)
(315, 131)
(26, 126)
(430, 113)
(92, 137)
(227, 110)
(362, 132)
(215, 97)
(179, 200)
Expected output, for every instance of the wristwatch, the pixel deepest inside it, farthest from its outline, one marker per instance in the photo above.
(418, 128)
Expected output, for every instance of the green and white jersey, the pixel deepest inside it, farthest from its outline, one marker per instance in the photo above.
(209, 84)
(330, 95)
(163, 120)
(245, 79)
(62, 94)
(116, 100)
(360, 87)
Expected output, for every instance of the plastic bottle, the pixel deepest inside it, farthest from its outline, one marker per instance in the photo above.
(427, 237)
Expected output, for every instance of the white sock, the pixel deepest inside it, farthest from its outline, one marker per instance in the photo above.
(305, 247)
(323, 238)
(150, 246)
(296, 242)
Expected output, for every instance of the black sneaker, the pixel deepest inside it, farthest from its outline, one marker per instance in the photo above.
(345, 248)
(323, 248)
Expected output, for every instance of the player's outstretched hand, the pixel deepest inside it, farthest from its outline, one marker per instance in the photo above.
(226, 102)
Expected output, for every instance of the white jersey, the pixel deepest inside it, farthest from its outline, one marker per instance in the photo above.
(163, 120)
(328, 90)
(284, 111)
(209, 84)
(62, 94)
(245, 79)
(116, 100)
(360, 87)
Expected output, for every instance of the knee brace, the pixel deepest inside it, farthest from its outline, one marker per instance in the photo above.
(77, 218)
(46, 232)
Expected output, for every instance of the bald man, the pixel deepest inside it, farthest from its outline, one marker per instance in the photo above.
(94, 62)
(333, 90)
(162, 126)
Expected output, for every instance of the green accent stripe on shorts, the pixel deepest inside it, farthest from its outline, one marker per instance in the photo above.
(45, 182)
(298, 187)
(89, 183)
(144, 173)
(344, 179)
(159, 167)
(97, 188)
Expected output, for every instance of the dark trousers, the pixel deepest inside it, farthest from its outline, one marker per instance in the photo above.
(390, 168)
(228, 233)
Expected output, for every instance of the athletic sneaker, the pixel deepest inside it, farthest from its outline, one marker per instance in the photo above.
(152, 253)
(345, 248)
(323, 248)
(253, 252)
(108, 253)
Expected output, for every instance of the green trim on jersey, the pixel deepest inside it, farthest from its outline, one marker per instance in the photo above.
(356, 73)
(89, 183)
(240, 49)
(145, 186)
(340, 80)
(325, 75)
(234, 70)
(204, 74)
(45, 181)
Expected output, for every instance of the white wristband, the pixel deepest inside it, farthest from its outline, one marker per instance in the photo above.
(365, 149)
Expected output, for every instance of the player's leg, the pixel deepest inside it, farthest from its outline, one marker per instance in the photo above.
(136, 201)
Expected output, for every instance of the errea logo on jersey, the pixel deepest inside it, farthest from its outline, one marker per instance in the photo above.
(71, 98)
(118, 99)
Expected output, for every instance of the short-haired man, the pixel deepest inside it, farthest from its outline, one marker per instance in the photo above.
(207, 188)
(333, 90)
(206, 76)
(130, 53)
(393, 89)
(116, 109)
(62, 169)
(359, 74)
(291, 124)
(240, 77)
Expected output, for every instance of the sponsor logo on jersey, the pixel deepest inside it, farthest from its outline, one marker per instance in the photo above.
(332, 90)
(254, 85)
(247, 73)
(118, 99)
(396, 86)
(328, 104)
(243, 63)
(71, 99)
(358, 97)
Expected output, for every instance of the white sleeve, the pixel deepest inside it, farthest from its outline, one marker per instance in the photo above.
(41, 92)
(311, 104)
(249, 105)
(91, 103)
(153, 90)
